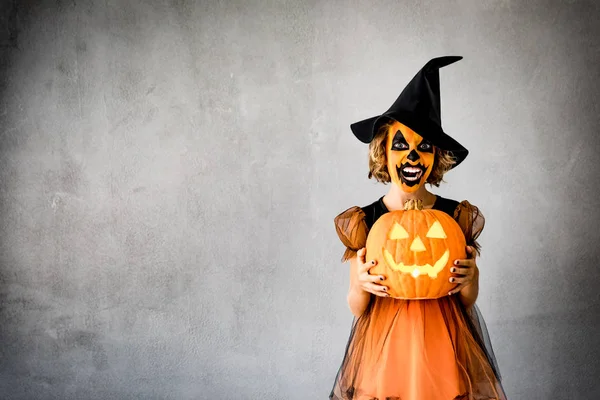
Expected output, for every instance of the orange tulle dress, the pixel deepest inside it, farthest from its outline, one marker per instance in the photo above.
(416, 349)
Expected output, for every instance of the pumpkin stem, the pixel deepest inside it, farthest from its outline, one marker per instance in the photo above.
(413, 204)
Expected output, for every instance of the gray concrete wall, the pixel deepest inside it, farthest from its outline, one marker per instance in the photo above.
(170, 171)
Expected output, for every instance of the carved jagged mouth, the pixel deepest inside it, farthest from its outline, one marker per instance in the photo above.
(417, 270)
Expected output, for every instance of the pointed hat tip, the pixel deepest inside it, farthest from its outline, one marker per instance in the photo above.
(440, 62)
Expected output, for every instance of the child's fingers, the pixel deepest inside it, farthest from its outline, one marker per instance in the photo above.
(360, 254)
(377, 290)
(376, 278)
(366, 277)
(467, 262)
(460, 271)
(471, 252)
(365, 267)
(456, 289)
(459, 279)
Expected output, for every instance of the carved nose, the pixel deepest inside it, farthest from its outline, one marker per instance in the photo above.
(417, 245)
(413, 156)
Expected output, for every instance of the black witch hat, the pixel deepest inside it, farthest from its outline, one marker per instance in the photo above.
(418, 107)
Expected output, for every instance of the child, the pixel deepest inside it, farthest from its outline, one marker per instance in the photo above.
(435, 349)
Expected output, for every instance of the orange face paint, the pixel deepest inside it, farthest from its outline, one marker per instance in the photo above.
(409, 157)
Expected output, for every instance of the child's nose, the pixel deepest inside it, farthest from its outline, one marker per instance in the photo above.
(413, 156)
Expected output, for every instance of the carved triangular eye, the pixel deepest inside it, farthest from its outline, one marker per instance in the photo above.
(398, 232)
(436, 231)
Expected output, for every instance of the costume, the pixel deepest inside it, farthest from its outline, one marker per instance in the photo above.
(401, 349)
(409, 349)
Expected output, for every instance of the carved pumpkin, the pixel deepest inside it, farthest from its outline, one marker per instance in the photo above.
(415, 249)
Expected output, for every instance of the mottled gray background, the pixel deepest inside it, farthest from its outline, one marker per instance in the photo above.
(170, 172)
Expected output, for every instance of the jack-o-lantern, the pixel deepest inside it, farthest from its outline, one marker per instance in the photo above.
(415, 249)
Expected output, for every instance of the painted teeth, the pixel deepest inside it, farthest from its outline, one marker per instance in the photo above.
(414, 171)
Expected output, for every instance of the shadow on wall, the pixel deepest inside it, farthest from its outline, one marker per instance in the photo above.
(21, 305)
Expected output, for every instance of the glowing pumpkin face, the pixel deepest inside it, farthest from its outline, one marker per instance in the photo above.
(409, 157)
(415, 249)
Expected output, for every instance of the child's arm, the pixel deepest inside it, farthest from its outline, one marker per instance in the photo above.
(465, 274)
(472, 221)
(358, 299)
(363, 284)
(468, 294)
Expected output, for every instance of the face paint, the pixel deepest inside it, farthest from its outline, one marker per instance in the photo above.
(409, 157)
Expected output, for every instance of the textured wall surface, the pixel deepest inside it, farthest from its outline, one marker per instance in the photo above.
(169, 174)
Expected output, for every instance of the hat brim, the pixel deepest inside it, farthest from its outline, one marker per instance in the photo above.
(366, 129)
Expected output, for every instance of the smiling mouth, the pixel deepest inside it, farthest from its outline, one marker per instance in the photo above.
(417, 270)
(411, 173)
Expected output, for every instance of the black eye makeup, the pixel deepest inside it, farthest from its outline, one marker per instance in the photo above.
(425, 146)
(399, 143)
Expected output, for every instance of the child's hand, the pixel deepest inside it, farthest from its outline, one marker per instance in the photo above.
(465, 271)
(368, 282)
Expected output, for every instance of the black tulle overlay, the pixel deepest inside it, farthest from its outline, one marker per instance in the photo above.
(395, 352)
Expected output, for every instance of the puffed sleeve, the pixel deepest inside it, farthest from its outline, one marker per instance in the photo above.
(472, 221)
(352, 230)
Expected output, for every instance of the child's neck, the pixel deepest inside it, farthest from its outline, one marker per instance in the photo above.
(396, 197)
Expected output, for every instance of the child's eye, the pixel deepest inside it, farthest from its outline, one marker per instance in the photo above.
(425, 146)
(399, 146)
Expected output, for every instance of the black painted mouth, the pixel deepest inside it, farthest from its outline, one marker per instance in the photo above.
(411, 178)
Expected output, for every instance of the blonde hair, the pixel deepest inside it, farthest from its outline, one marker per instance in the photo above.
(443, 161)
